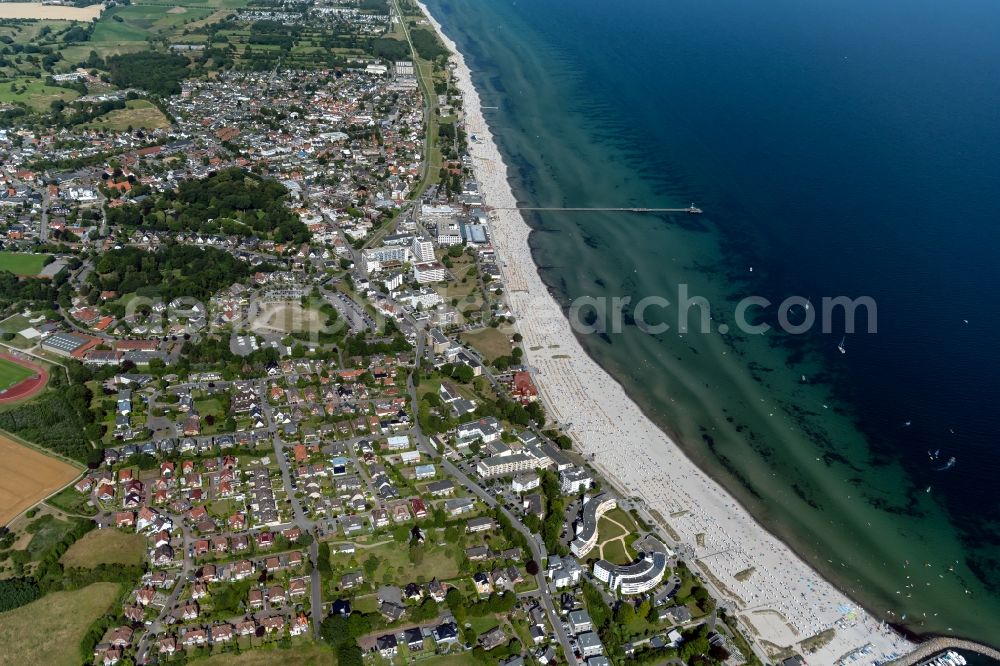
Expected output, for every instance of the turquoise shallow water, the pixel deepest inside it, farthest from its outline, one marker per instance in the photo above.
(838, 149)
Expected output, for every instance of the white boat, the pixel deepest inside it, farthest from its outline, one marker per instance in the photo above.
(949, 658)
(842, 347)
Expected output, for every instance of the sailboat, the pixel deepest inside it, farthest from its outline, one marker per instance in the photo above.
(951, 463)
(841, 346)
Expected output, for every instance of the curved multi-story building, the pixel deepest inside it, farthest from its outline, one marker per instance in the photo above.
(586, 526)
(642, 575)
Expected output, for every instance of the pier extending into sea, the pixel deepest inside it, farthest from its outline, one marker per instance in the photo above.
(938, 645)
(692, 209)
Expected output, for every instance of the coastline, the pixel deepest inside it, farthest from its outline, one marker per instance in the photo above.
(786, 601)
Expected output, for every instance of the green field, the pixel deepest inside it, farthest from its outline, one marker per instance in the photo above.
(395, 567)
(70, 501)
(49, 630)
(623, 519)
(77, 53)
(14, 323)
(32, 30)
(140, 21)
(12, 373)
(123, 29)
(214, 4)
(138, 113)
(107, 546)
(21, 263)
(34, 94)
(46, 532)
(616, 553)
(607, 529)
(489, 342)
(301, 655)
(40, 34)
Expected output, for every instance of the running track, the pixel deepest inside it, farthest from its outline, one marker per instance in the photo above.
(29, 386)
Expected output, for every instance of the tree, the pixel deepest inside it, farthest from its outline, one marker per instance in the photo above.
(160, 73)
(625, 614)
(371, 566)
(401, 534)
(350, 655)
(439, 516)
(463, 373)
(335, 630)
(323, 559)
(427, 610)
(456, 604)
(15, 592)
(359, 623)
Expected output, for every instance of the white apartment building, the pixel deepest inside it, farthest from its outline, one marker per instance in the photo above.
(430, 271)
(423, 250)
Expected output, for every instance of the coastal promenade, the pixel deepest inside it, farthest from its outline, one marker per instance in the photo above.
(782, 601)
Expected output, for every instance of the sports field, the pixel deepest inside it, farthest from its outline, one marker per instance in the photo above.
(27, 476)
(20, 378)
(11, 373)
(287, 318)
(21, 263)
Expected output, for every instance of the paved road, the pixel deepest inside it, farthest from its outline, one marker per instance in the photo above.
(43, 230)
(186, 574)
(538, 552)
(307, 527)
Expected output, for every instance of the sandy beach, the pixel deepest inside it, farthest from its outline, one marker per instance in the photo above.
(783, 602)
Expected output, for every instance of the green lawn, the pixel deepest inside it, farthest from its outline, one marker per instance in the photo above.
(21, 263)
(623, 519)
(608, 530)
(12, 373)
(366, 604)
(395, 567)
(222, 508)
(14, 323)
(445, 660)
(70, 501)
(616, 553)
(483, 624)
